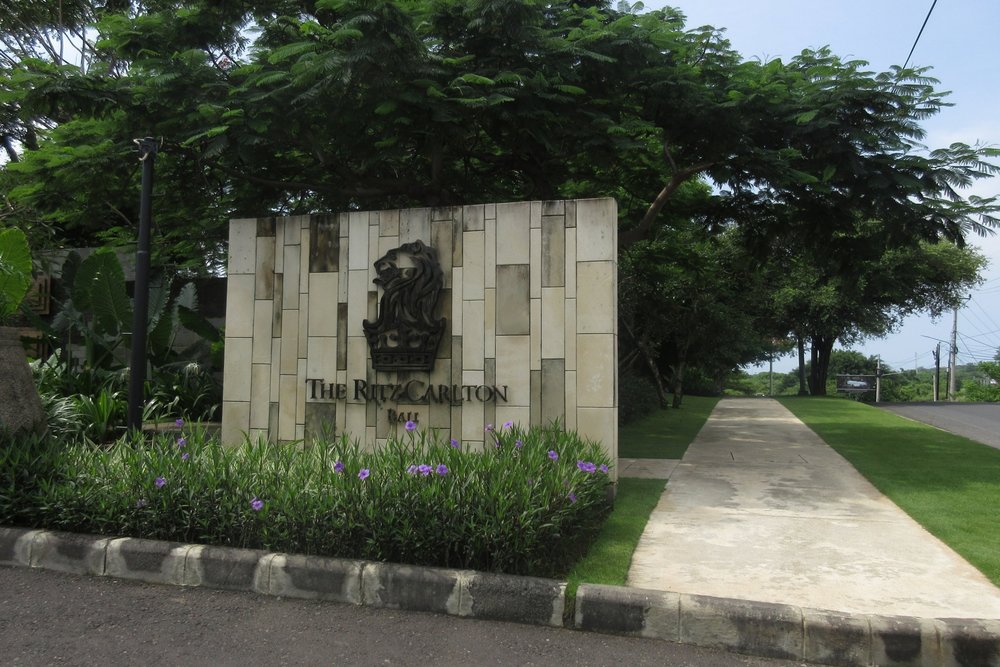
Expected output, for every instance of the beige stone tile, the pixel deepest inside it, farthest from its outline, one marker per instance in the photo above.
(553, 391)
(599, 425)
(595, 366)
(300, 396)
(235, 422)
(553, 266)
(536, 334)
(343, 293)
(490, 329)
(303, 324)
(514, 367)
(472, 421)
(290, 282)
(536, 214)
(260, 395)
(357, 359)
(570, 263)
(300, 433)
(262, 330)
(385, 244)
(357, 241)
(388, 223)
(286, 407)
(279, 245)
(290, 345)
(442, 242)
(490, 210)
(457, 250)
(474, 218)
(304, 263)
(596, 222)
(242, 246)
(293, 228)
(571, 334)
(536, 263)
(473, 333)
(236, 385)
(322, 358)
(264, 285)
(275, 374)
(596, 312)
(357, 302)
(277, 306)
(356, 421)
(473, 263)
(457, 304)
(513, 308)
(490, 254)
(553, 207)
(415, 225)
(571, 407)
(374, 251)
(325, 243)
(239, 305)
(520, 415)
(323, 304)
(513, 237)
(553, 322)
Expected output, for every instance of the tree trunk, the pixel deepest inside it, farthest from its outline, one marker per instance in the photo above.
(20, 408)
(822, 348)
(802, 366)
(677, 384)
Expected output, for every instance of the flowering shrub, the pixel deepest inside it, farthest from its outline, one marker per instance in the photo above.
(528, 504)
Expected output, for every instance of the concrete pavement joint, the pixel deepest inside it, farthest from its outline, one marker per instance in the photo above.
(741, 626)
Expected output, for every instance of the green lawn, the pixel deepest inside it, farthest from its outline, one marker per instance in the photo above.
(947, 483)
(665, 434)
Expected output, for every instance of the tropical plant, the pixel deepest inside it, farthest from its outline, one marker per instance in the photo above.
(15, 271)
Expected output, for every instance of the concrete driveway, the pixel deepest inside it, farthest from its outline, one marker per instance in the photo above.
(976, 421)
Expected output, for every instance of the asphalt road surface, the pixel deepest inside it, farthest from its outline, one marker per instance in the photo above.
(976, 421)
(50, 618)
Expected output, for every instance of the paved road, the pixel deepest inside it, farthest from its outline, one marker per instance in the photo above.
(49, 618)
(976, 421)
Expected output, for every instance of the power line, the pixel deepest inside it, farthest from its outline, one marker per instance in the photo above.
(929, 12)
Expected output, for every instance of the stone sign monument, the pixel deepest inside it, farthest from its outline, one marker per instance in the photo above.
(454, 318)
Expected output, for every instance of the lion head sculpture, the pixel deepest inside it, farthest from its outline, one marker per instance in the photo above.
(406, 334)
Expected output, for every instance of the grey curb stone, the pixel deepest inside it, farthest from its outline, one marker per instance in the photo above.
(835, 638)
(226, 568)
(628, 611)
(501, 597)
(412, 588)
(15, 545)
(754, 628)
(69, 552)
(152, 561)
(314, 578)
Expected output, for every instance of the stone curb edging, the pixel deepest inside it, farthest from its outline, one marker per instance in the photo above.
(741, 626)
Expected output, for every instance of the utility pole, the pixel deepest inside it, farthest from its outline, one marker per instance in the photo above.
(878, 378)
(937, 372)
(140, 310)
(953, 357)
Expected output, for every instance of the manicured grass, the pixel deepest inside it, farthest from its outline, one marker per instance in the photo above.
(665, 434)
(947, 483)
(608, 559)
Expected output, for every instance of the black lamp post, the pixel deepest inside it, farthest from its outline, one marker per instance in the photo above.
(140, 313)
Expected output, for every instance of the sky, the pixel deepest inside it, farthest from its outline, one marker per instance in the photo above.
(961, 43)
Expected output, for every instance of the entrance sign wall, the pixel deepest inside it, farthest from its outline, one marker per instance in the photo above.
(517, 301)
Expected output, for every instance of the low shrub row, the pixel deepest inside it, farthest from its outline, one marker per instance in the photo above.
(528, 504)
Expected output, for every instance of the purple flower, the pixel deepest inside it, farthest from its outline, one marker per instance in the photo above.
(518, 444)
(488, 429)
(185, 456)
(508, 423)
(586, 466)
(412, 470)
(139, 504)
(181, 442)
(456, 444)
(338, 467)
(160, 482)
(603, 468)
(363, 474)
(424, 469)
(442, 469)
(553, 455)
(411, 425)
(256, 504)
(179, 423)
(572, 497)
